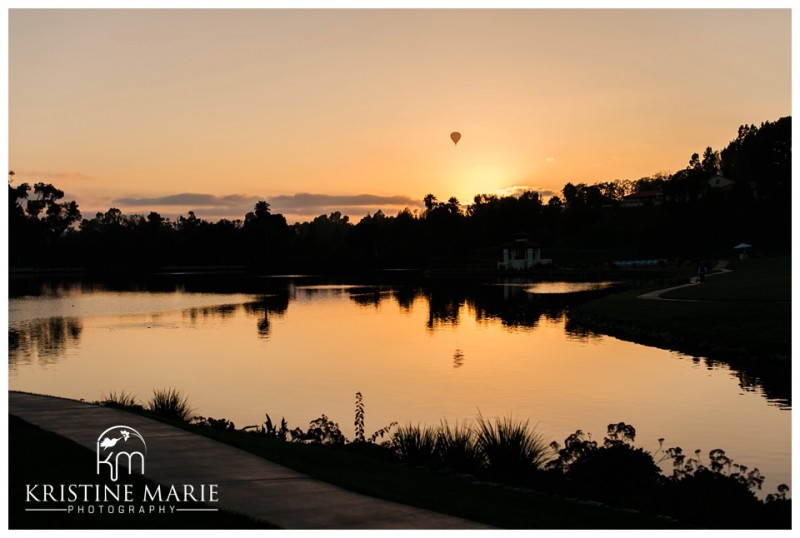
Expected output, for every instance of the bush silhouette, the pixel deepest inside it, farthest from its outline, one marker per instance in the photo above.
(712, 499)
(618, 473)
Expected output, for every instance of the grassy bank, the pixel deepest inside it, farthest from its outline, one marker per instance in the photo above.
(500, 472)
(745, 313)
(361, 467)
(366, 468)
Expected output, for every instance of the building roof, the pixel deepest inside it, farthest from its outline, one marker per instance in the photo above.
(719, 182)
(643, 194)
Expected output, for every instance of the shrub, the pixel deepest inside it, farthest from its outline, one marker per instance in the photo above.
(619, 473)
(711, 499)
(170, 403)
(576, 446)
(321, 431)
(214, 423)
(615, 472)
(719, 463)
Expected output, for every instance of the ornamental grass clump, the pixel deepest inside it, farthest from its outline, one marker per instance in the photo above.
(511, 448)
(119, 399)
(457, 449)
(170, 403)
(415, 444)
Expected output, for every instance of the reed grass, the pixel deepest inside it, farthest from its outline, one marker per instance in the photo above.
(415, 444)
(456, 447)
(512, 448)
(119, 399)
(170, 403)
(505, 448)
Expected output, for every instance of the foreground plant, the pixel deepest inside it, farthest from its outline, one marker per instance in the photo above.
(457, 449)
(614, 472)
(214, 423)
(415, 444)
(119, 399)
(512, 448)
(281, 433)
(720, 494)
(717, 494)
(359, 424)
(170, 403)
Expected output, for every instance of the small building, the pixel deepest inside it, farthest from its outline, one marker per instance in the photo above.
(641, 198)
(521, 254)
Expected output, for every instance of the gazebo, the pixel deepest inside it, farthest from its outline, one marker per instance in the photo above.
(522, 253)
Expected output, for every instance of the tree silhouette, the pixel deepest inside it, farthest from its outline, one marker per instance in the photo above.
(684, 222)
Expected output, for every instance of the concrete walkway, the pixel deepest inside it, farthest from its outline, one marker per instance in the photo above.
(719, 268)
(247, 484)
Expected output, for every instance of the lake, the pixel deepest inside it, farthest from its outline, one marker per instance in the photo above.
(299, 347)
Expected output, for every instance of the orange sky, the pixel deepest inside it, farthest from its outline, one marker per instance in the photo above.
(212, 110)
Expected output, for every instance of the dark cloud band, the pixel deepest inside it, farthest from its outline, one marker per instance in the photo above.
(288, 202)
(187, 199)
(306, 200)
(300, 206)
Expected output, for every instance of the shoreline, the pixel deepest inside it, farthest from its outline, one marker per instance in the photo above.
(766, 370)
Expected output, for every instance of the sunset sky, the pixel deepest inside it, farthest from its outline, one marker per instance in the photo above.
(351, 110)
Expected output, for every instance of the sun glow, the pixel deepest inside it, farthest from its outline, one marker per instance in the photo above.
(490, 177)
(355, 102)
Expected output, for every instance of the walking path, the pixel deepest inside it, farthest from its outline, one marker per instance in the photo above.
(720, 268)
(248, 484)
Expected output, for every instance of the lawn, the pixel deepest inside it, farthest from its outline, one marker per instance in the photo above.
(759, 280)
(747, 311)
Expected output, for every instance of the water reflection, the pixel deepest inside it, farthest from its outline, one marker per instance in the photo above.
(422, 352)
(458, 358)
(49, 337)
(42, 340)
(514, 304)
(444, 308)
(756, 378)
(753, 375)
(370, 296)
(549, 288)
(224, 311)
(266, 307)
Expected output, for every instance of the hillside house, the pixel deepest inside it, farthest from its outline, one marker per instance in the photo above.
(641, 198)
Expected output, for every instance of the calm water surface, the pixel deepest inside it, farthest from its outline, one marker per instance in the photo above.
(299, 349)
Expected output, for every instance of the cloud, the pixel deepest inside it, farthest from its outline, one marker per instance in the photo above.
(306, 200)
(27, 176)
(517, 190)
(187, 199)
(295, 207)
(306, 206)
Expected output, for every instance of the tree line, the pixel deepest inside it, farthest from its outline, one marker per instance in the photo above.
(684, 214)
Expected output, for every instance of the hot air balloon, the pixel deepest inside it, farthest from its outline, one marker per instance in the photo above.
(455, 136)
